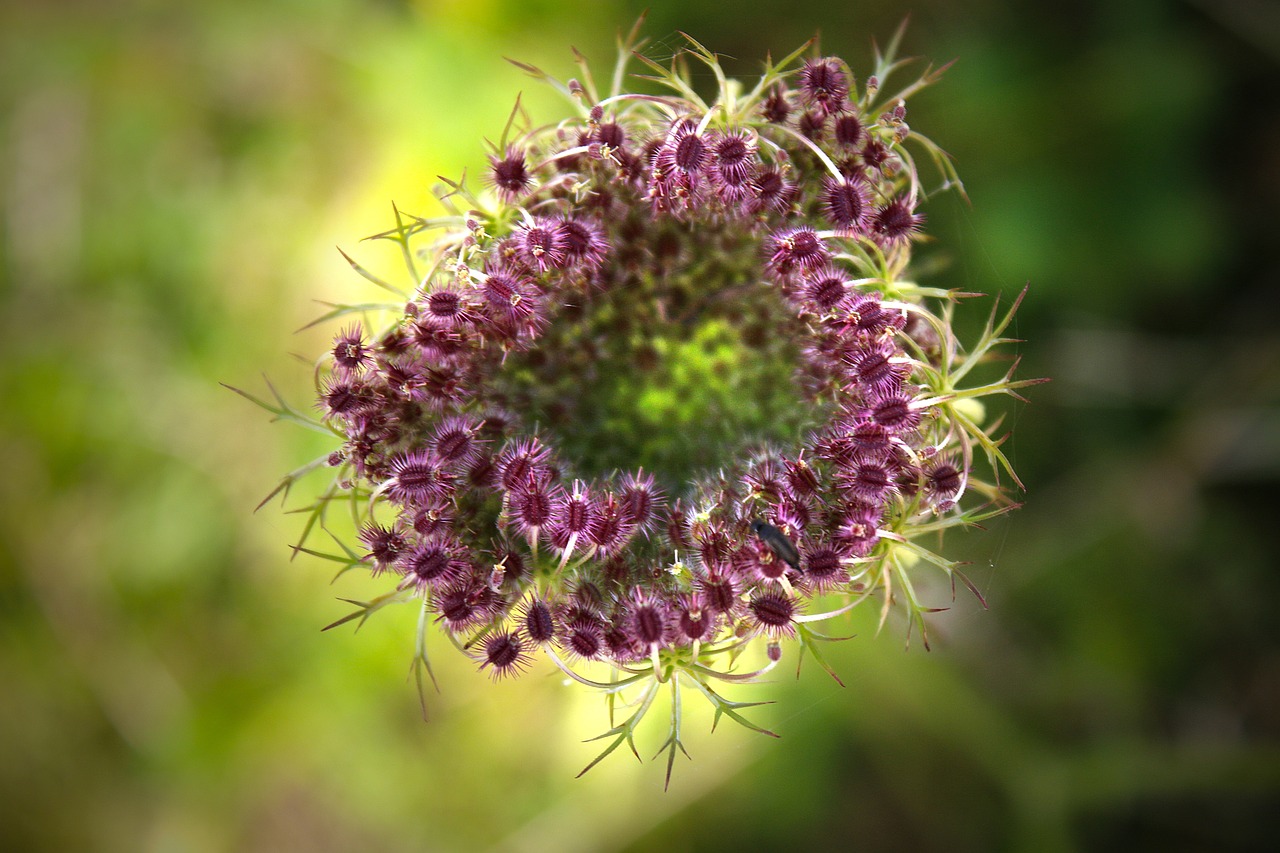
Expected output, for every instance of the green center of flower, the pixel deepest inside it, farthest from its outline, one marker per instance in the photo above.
(682, 363)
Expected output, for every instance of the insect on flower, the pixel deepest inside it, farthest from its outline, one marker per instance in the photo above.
(778, 543)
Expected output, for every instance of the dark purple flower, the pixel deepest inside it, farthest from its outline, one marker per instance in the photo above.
(797, 248)
(848, 129)
(773, 192)
(584, 244)
(824, 85)
(611, 528)
(943, 482)
(649, 621)
(714, 547)
(542, 245)
(621, 646)
(764, 480)
(720, 593)
(482, 471)
(444, 307)
(896, 413)
(583, 638)
(760, 564)
(467, 605)
(866, 316)
(350, 353)
(437, 340)
(444, 386)
(735, 157)
(508, 296)
(642, 501)
(693, 621)
(432, 563)
(868, 438)
(801, 478)
(906, 481)
(874, 153)
(773, 613)
(867, 479)
(735, 165)
(538, 621)
(896, 221)
(877, 365)
(671, 189)
(418, 477)
(812, 124)
(394, 343)
(586, 597)
(776, 107)
(406, 381)
(852, 169)
(435, 519)
(510, 175)
(532, 505)
(572, 520)
(824, 567)
(456, 441)
(385, 545)
(344, 398)
(846, 205)
(859, 528)
(793, 512)
(689, 151)
(509, 570)
(823, 289)
(525, 460)
(504, 654)
(610, 134)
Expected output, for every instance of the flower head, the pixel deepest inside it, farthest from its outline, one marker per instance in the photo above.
(896, 221)
(824, 85)
(419, 477)
(773, 613)
(433, 563)
(846, 204)
(797, 248)
(504, 654)
(510, 174)
(542, 245)
(351, 354)
(668, 379)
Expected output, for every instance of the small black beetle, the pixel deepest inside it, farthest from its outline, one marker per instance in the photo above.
(778, 543)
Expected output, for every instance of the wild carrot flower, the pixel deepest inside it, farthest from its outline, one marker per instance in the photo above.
(543, 428)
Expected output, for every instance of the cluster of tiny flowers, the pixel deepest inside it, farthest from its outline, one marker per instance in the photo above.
(803, 192)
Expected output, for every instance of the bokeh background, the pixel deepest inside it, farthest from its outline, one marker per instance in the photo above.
(173, 179)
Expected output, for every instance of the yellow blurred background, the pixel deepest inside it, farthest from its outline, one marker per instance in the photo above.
(174, 178)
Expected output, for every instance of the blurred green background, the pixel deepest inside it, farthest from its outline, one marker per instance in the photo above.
(173, 179)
